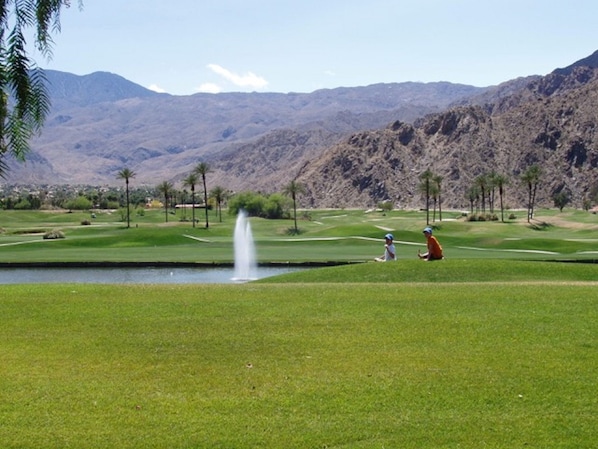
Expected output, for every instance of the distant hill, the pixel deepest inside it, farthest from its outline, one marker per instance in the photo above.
(67, 90)
(100, 123)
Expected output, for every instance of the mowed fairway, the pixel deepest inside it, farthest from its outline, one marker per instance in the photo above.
(481, 350)
(403, 365)
(327, 236)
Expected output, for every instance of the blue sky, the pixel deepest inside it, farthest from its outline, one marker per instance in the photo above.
(187, 46)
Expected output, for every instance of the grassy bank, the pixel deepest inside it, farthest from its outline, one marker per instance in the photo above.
(315, 365)
(451, 271)
(344, 236)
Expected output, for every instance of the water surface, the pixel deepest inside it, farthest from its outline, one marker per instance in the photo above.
(127, 275)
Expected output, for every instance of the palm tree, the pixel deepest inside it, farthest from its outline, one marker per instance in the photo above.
(293, 189)
(500, 181)
(491, 177)
(165, 188)
(482, 183)
(438, 181)
(184, 204)
(127, 174)
(202, 169)
(190, 181)
(434, 193)
(530, 178)
(473, 195)
(561, 199)
(24, 100)
(426, 178)
(218, 194)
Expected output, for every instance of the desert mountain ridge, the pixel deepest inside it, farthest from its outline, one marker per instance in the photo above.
(550, 123)
(100, 123)
(351, 147)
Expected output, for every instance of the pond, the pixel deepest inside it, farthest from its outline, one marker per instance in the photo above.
(132, 275)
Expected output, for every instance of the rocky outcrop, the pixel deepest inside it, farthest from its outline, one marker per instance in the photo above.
(551, 123)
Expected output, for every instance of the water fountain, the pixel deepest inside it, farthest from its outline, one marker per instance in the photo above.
(245, 269)
(245, 264)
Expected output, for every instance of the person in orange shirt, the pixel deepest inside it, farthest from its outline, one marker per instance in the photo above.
(434, 249)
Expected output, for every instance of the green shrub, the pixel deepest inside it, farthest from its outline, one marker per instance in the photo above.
(123, 213)
(386, 206)
(23, 204)
(482, 217)
(79, 203)
(276, 206)
(54, 234)
(257, 205)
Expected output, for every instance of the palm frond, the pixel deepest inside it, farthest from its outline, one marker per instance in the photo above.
(18, 135)
(48, 20)
(3, 166)
(20, 80)
(18, 71)
(39, 98)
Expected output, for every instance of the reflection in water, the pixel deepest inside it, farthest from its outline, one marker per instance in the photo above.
(128, 275)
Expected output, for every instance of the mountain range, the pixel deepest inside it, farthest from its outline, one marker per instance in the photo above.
(350, 147)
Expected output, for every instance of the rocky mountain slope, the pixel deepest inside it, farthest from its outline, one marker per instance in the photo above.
(551, 122)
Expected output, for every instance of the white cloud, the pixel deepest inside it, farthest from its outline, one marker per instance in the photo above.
(157, 88)
(250, 79)
(209, 88)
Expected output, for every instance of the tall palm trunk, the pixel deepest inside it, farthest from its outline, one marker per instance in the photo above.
(502, 209)
(128, 208)
(529, 201)
(533, 200)
(205, 198)
(193, 204)
(295, 212)
(427, 200)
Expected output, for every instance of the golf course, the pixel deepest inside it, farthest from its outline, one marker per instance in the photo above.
(496, 346)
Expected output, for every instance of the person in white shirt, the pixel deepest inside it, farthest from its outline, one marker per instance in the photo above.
(390, 253)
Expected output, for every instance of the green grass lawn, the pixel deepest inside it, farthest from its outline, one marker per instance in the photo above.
(494, 347)
(328, 236)
(466, 271)
(299, 365)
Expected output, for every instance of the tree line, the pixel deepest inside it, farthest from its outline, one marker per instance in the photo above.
(255, 204)
(483, 192)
